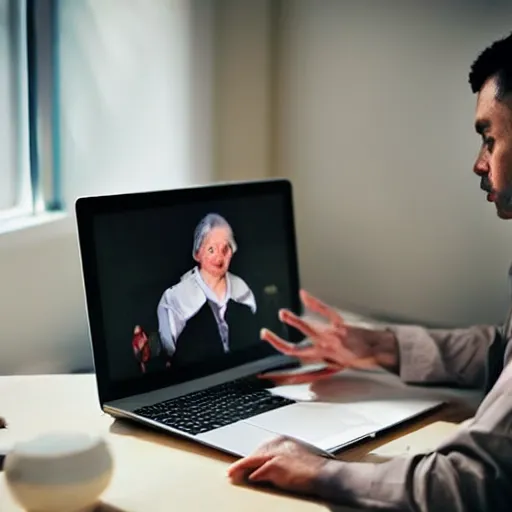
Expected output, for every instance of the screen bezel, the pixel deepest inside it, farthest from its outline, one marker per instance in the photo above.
(88, 208)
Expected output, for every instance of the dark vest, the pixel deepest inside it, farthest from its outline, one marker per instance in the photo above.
(200, 339)
(499, 353)
(495, 362)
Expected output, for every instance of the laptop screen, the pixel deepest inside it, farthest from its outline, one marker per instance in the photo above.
(179, 287)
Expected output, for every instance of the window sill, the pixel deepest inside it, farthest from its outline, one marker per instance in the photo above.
(30, 229)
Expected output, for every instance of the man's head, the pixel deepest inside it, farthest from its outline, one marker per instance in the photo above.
(491, 79)
(214, 245)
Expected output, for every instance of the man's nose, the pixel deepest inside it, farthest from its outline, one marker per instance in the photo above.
(481, 166)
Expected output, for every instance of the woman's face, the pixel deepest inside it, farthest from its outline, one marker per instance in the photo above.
(215, 253)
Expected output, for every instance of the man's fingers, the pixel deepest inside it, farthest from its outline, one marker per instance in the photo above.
(263, 473)
(314, 331)
(237, 472)
(249, 462)
(293, 320)
(321, 308)
(307, 353)
(287, 348)
(322, 337)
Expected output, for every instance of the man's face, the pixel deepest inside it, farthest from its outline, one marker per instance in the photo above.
(215, 253)
(494, 161)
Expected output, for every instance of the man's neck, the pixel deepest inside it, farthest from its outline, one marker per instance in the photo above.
(217, 285)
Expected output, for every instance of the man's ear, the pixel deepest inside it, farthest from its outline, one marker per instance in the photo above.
(196, 257)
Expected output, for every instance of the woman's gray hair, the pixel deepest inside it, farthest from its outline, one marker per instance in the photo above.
(207, 224)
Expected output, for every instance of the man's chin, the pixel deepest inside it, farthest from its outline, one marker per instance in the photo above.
(503, 214)
(218, 273)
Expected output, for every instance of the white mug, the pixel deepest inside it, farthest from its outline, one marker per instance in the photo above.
(59, 472)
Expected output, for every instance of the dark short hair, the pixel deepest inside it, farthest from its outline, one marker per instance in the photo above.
(495, 61)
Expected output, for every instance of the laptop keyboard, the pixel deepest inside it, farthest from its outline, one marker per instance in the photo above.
(215, 407)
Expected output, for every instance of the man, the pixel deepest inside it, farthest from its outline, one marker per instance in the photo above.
(208, 302)
(473, 469)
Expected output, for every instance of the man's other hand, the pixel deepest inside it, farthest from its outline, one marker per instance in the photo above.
(333, 343)
(282, 462)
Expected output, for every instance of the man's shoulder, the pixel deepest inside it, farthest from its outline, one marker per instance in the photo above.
(185, 297)
(240, 291)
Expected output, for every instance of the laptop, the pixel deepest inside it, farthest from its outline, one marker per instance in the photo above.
(178, 285)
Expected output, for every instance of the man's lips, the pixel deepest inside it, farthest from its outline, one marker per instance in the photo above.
(485, 184)
(491, 196)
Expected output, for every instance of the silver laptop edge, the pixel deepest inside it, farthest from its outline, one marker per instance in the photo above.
(159, 395)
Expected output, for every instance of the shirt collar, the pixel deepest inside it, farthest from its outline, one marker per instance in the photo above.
(210, 294)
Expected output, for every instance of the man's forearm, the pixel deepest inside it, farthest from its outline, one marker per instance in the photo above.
(423, 483)
(385, 349)
(420, 355)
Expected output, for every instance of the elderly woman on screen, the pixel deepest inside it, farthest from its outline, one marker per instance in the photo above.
(195, 314)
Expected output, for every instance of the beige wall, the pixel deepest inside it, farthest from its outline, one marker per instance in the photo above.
(376, 134)
(244, 128)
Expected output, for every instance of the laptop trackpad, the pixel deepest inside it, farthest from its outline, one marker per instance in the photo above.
(239, 438)
(325, 425)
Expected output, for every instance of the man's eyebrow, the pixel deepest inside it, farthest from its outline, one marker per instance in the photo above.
(482, 125)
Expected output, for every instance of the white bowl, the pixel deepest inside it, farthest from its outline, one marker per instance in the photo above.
(59, 472)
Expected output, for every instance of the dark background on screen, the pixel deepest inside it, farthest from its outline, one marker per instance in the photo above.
(142, 253)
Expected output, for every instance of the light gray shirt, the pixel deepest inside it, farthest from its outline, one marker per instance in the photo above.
(183, 300)
(470, 471)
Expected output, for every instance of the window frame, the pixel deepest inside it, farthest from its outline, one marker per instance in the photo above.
(34, 51)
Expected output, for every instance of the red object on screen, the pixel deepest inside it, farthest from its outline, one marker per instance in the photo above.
(141, 348)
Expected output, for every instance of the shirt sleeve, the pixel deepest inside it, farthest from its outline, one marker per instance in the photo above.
(470, 471)
(456, 356)
(170, 324)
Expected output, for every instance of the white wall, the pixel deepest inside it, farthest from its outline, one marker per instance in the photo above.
(375, 130)
(127, 95)
(376, 133)
(136, 115)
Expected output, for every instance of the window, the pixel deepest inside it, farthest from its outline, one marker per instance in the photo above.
(14, 169)
(101, 97)
(28, 170)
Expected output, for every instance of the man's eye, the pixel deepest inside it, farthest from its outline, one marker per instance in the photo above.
(210, 250)
(489, 142)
